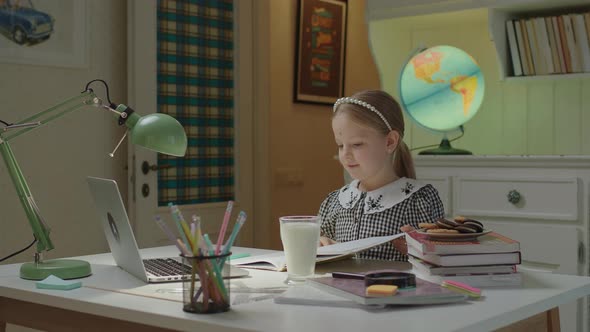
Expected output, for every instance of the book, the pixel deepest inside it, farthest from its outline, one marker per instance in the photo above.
(559, 44)
(542, 40)
(425, 292)
(489, 243)
(527, 47)
(276, 261)
(581, 40)
(521, 51)
(428, 269)
(506, 280)
(504, 258)
(572, 44)
(564, 45)
(553, 45)
(512, 43)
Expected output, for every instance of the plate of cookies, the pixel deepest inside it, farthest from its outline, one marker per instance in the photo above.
(458, 229)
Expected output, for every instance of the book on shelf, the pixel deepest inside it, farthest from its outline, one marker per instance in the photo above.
(558, 44)
(527, 47)
(542, 40)
(571, 44)
(581, 40)
(428, 269)
(276, 261)
(521, 51)
(513, 45)
(503, 258)
(552, 45)
(489, 243)
(564, 46)
(425, 292)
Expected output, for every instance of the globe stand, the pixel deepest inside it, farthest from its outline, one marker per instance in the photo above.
(445, 148)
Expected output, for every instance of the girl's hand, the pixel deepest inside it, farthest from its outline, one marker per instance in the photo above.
(400, 243)
(326, 241)
(406, 228)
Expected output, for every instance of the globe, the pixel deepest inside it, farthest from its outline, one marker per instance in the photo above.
(441, 88)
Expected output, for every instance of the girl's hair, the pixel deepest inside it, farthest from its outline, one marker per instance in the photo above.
(403, 164)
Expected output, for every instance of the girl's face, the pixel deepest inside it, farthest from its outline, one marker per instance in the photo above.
(364, 152)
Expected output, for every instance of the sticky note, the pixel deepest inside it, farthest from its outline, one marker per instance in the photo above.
(462, 288)
(239, 255)
(53, 282)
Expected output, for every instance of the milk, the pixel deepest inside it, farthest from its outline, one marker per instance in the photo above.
(300, 242)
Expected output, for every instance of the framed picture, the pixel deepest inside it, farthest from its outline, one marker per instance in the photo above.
(321, 39)
(44, 32)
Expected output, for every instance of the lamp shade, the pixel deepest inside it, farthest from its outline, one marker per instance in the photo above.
(159, 132)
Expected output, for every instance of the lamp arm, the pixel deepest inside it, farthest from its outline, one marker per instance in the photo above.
(40, 229)
(86, 98)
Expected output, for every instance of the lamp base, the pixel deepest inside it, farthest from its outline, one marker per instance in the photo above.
(445, 148)
(61, 268)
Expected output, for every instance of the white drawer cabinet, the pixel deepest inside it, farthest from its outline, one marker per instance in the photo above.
(551, 198)
(541, 201)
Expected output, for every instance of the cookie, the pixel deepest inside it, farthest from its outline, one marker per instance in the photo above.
(466, 229)
(443, 230)
(427, 225)
(474, 223)
(460, 219)
(474, 227)
(445, 223)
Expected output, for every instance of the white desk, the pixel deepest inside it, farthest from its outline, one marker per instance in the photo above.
(112, 299)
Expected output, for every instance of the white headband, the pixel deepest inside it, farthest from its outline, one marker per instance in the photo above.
(350, 100)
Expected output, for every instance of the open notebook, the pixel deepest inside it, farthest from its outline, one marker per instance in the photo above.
(277, 262)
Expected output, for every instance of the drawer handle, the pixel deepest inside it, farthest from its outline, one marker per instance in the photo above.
(513, 196)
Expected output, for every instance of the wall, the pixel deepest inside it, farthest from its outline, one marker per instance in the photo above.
(301, 142)
(539, 117)
(56, 159)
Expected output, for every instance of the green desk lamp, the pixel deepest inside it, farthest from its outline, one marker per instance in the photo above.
(157, 132)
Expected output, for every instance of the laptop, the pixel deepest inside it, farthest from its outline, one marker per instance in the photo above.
(117, 229)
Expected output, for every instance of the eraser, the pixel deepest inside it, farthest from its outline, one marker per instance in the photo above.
(381, 290)
(53, 282)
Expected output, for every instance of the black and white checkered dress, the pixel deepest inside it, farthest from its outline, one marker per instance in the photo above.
(349, 214)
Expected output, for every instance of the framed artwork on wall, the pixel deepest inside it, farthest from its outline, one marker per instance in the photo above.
(47, 32)
(321, 42)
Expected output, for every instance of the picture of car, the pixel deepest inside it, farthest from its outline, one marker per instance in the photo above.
(23, 24)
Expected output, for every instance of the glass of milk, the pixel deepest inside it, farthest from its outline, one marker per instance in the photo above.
(300, 236)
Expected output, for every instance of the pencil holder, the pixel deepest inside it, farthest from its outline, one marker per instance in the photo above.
(205, 290)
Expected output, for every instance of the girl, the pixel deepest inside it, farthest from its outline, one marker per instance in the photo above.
(384, 198)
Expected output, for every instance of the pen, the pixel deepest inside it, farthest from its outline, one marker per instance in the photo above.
(230, 205)
(166, 231)
(235, 231)
(181, 225)
(234, 234)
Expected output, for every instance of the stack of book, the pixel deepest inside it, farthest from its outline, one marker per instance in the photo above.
(488, 261)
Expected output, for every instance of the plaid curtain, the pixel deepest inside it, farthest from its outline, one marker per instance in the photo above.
(195, 85)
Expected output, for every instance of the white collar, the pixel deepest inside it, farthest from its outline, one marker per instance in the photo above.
(379, 199)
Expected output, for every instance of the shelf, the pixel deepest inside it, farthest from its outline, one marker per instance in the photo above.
(497, 18)
(547, 77)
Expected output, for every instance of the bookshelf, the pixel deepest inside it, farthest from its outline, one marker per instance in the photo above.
(497, 17)
(499, 11)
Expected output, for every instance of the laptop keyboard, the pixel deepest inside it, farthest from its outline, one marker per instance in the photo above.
(164, 267)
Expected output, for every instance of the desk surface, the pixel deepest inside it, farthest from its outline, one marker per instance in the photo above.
(111, 292)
